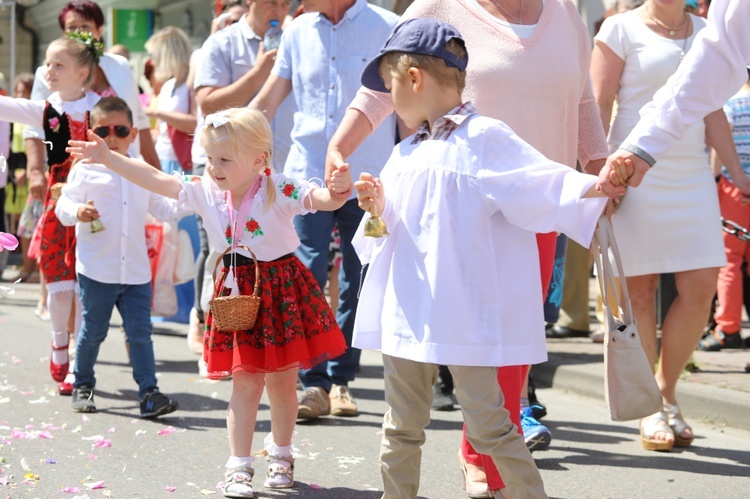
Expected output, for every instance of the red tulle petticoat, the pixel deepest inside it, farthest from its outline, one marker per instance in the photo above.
(57, 243)
(295, 325)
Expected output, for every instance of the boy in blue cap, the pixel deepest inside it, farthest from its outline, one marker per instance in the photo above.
(458, 275)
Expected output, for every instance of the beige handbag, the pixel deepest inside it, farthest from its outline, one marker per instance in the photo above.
(630, 388)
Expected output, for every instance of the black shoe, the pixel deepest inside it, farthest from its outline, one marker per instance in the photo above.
(718, 340)
(83, 399)
(556, 331)
(441, 401)
(156, 404)
(538, 409)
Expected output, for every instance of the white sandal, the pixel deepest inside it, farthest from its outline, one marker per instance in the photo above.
(678, 425)
(650, 426)
(238, 482)
(280, 472)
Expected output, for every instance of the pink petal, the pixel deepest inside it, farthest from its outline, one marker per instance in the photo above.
(71, 490)
(45, 434)
(4, 480)
(170, 488)
(8, 241)
(166, 431)
(316, 487)
(92, 456)
(103, 443)
(95, 485)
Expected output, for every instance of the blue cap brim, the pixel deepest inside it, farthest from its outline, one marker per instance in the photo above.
(371, 75)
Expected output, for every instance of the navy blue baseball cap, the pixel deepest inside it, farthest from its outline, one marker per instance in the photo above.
(425, 36)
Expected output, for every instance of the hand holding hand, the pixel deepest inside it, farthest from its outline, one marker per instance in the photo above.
(341, 181)
(93, 151)
(370, 194)
(87, 212)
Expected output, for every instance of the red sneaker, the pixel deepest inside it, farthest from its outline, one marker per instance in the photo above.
(65, 388)
(59, 371)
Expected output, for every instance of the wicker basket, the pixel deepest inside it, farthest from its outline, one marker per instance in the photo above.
(238, 312)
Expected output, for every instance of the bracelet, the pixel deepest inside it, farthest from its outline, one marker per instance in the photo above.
(638, 152)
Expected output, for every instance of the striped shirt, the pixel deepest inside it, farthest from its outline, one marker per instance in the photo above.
(738, 114)
(445, 125)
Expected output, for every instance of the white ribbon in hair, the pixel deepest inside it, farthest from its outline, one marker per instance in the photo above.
(218, 119)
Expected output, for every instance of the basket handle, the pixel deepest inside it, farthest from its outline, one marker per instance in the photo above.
(256, 288)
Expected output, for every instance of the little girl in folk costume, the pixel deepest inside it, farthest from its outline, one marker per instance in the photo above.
(243, 203)
(71, 62)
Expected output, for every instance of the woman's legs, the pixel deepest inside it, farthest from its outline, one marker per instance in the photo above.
(683, 327)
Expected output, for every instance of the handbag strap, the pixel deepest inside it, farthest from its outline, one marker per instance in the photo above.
(604, 241)
(219, 261)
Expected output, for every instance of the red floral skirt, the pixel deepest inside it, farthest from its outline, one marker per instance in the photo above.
(57, 243)
(295, 326)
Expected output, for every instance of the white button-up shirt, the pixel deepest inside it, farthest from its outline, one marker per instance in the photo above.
(457, 280)
(324, 63)
(118, 254)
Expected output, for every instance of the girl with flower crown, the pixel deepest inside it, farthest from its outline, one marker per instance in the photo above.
(70, 63)
(244, 205)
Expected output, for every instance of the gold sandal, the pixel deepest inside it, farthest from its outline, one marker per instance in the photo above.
(650, 426)
(678, 425)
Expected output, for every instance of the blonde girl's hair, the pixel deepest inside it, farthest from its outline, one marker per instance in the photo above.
(244, 132)
(170, 49)
(397, 64)
(83, 55)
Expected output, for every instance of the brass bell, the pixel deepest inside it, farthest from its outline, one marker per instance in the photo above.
(375, 227)
(96, 225)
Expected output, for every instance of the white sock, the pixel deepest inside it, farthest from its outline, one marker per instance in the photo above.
(276, 450)
(239, 462)
(60, 357)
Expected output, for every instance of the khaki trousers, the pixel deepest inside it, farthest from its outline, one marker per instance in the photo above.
(408, 392)
(574, 311)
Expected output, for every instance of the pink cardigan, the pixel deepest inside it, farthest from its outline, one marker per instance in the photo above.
(539, 86)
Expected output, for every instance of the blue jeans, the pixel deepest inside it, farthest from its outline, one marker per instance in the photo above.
(134, 304)
(555, 291)
(314, 231)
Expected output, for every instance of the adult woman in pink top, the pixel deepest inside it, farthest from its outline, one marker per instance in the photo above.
(528, 66)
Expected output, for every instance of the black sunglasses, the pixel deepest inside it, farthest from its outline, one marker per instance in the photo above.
(121, 131)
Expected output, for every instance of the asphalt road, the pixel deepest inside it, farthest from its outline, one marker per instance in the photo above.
(48, 451)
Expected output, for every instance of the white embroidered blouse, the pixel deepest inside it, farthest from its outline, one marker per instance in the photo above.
(268, 232)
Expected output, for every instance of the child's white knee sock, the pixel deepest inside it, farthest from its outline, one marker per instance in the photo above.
(239, 462)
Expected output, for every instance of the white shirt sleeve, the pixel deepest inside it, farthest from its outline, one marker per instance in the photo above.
(712, 71)
(28, 112)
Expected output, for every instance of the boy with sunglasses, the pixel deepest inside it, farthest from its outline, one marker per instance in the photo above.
(112, 260)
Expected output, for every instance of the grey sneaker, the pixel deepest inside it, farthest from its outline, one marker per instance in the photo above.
(83, 399)
(342, 402)
(157, 404)
(313, 403)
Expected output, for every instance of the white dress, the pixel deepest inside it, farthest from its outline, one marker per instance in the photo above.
(670, 223)
(457, 280)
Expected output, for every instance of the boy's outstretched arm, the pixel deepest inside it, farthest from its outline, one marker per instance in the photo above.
(95, 150)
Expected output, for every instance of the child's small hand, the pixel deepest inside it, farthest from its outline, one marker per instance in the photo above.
(620, 172)
(87, 212)
(341, 180)
(93, 151)
(370, 193)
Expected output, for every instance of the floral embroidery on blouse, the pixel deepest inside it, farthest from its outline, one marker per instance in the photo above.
(253, 227)
(54, 124)
(228, 234)
(191, 178)
(289, 189)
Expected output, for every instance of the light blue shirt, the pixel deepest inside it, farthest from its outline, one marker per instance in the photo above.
(226, 56)
(324, 63)
(738, 114)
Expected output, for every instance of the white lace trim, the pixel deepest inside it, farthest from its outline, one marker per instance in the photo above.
(61, 286)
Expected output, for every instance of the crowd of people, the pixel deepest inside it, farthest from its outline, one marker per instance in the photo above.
(486, 135)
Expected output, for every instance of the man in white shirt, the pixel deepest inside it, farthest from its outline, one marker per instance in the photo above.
(712, 71)
(112, 263)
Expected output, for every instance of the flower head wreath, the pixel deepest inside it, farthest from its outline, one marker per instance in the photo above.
(95, 46)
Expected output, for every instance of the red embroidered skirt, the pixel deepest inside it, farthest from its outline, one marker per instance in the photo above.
(57, 246)
(295, 325)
